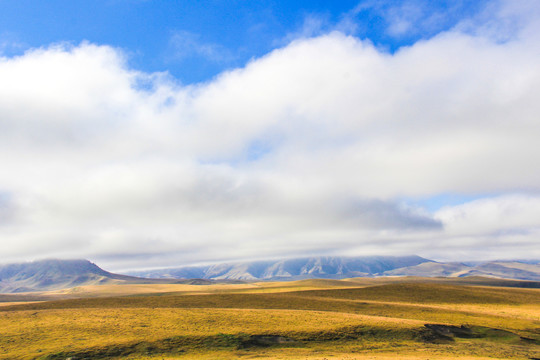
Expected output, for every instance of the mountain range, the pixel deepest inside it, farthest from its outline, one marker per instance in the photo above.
(328, 267)
(47, 275)
(348, 267)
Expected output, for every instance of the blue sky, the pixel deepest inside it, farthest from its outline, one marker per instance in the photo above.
(196, 40)
(171, 133)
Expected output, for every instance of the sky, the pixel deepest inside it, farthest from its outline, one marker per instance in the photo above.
(146, 133)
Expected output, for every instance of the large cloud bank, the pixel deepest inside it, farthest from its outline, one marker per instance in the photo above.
(320, 147)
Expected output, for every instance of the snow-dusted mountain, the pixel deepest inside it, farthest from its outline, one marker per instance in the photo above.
(330, 267)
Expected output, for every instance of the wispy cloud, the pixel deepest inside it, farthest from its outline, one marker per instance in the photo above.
(185, 45)
(10, 44)
(414, 18)
(312, 25)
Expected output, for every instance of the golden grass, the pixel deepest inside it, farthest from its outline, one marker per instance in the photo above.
(115, 289)
(8, 303)
(27, 334)
(330, 319)
(136, 289)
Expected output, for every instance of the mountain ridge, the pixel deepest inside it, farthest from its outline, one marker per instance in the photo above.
(327, 267)
(50, 274)
(348, 267)
(54, 274)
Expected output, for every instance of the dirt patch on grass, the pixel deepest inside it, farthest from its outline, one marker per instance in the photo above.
(440, 333)
(267, 340)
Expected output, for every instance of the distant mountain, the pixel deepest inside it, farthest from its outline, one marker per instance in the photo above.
(431, 269)
(51, 275)
(517, 270)
(328, 267)
(62, 274)
(507, 269)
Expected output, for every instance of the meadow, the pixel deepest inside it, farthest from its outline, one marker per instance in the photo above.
(407, 318)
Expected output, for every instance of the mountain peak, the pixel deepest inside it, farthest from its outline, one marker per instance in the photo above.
(50, 274)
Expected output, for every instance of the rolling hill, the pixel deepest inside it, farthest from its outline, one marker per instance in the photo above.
(369, 318)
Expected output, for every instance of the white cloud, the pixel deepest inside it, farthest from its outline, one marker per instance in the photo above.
(497, 227)
(102, 161)
(497, 215)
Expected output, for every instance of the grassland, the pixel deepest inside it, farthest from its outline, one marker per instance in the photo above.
(312, 319)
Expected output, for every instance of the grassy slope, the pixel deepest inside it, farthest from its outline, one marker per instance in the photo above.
(335, 319)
